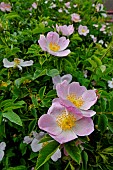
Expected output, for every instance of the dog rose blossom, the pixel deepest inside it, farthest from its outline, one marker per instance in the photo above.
(17, 63)
(54, 44)
(75, 17)
(65, 123)
(65, 30)
(77, 96)
(5, 7)
(83, 30)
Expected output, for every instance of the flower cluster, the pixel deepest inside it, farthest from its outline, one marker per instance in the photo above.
(69, 116)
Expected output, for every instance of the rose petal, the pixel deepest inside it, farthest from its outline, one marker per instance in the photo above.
(84, 127)
(35, 146)
(52, 37)
(1, 154)
(88, 113)
(65, 136)
(56, 155)
(48, 123)
(56, 108)
(67, 77)
(26, 63)
(60, 53)
(7, 63)
(62, 89)
(75, 88)
(89, 98)
(63, 43)
(43, 42)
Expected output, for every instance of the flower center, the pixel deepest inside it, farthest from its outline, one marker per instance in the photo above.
(16, 61)
(83, 30)
(66, 120)
(77, 101)
(54, 47)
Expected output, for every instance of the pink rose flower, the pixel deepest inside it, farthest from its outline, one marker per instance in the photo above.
(54, 44)
(67, 4)
(74, 95)
(83, 30)
(5, 7)
(34, 5)
(65, 124)
(75, 17)
(65, 30)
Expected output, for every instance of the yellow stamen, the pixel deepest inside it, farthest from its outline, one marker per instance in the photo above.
(54, 47)
(77, 101)
(66, 120)
(16, 61)
(83, 30)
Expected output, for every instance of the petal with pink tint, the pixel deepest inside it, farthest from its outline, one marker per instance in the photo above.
(84, 127)
(7, 63)
(67, 77)
(26, 63)
(60, 53)
(52, 37)
(63, 43)
(35, 145)
(48, 123)
(56, 155)
(75, 88)
(56, 80)
(62, 89)
(89, 98)
(65, 136)
(42, 42)
(88, 113)
(56, 108)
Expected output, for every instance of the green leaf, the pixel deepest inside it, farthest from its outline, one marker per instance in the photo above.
(41, 92)
(46, 153)
(34, 101)
(32, 125)
(97, 60)
(21, 167)
(50, 94)
(85, 160)
(12, 15)
(13, 117)
(108, 150)
(102, 122)
(44, 167)
(73, 151)
(111, 104)
(13, 106)
(52, 73)
(39, 73)
(92, 62)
